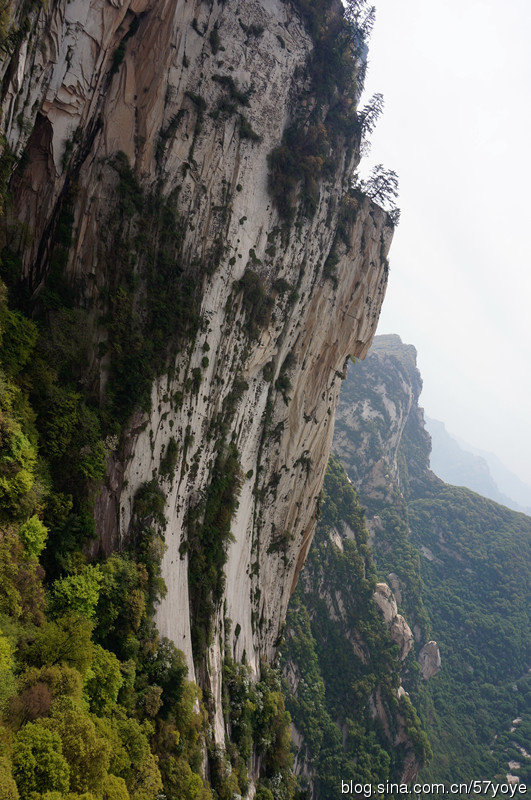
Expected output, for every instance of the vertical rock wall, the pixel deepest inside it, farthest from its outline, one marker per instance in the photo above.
(197, 96)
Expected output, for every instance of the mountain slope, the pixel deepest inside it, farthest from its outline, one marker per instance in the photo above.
(455, 464)
(342, 660)
(459, 564)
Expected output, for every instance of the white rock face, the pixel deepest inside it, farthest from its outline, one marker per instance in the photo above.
(385, 600)
(77, 105)
(430, 660)
(401, 634)
(398, 627)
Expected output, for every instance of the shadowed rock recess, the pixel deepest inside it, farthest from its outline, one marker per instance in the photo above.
(179, 223)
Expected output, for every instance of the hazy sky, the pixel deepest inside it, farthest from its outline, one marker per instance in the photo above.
(456, 78)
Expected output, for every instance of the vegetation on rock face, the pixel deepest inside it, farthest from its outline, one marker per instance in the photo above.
(93, 702)
(259, 727)
(338, 655)
(208, 537)
(255, 301)
(336, 68)
(152, 310)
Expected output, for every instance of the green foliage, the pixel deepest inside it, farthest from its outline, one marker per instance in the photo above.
(103, 681)
(301, 159)
(145, 328)
(259, 726)
(169, 460)
(165, 667)
(117, 623)
(238, 95)
(114, 788)
(306, 153)
(338, 644)
(255, 301)
(18, 461)
(475, 594)
(38, 761)
(283, 383)
(147, 528)
(8, 787)
(66, 640)
(60, 680)
(69, 744)
(215, 41)
(87, 752)
(7, 157)
(119, 53)
(47, 368)
(118, 57)
(7, 678)
(21, 591)
(246, 130)
(78, 592)
(19, 337)
(33, 535)
(185, 784)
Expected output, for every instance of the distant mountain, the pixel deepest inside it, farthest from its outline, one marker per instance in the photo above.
(508, 483)
(460, 464)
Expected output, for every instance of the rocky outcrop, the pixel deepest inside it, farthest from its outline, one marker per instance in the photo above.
(135, 115)
(398, 627)
(429, 660)
(378, 411)
(381, 440)
(384, 599)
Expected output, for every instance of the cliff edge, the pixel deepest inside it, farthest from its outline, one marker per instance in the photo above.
(178, 205)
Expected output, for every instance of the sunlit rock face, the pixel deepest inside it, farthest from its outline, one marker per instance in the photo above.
(195, 101)
(430, 660)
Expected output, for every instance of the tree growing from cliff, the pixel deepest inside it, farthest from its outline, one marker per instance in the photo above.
(382, 187)
(369, 116)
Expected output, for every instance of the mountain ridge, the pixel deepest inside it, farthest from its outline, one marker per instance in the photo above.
(458, 463)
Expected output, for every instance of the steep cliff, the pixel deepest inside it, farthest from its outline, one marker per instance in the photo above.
(458, 566)
(179, 222)
(378, 422)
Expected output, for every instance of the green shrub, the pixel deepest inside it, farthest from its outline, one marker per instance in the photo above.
(18, 339)
(33, 535)
(169, 460)
(246, 130)
(103, 681)
(7, 678)
(38, 761)
(238, 95)
(297, 164)
(66, 640)
(117, 623)
(255, 301)
(78, 593)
